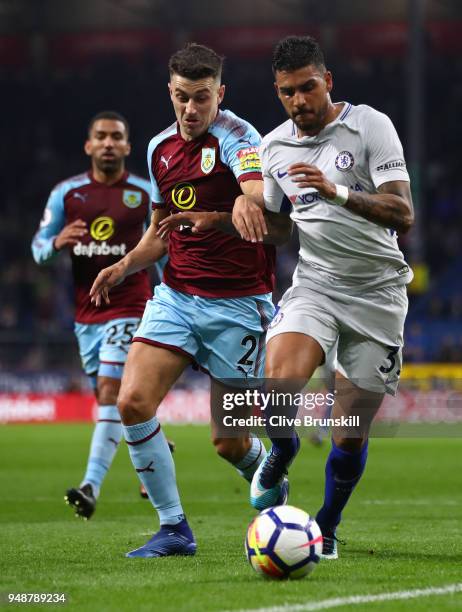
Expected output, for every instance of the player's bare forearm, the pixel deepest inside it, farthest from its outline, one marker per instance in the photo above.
(391, 207)
(276, 228)
(247, 217)
(279, 228)
(253, 189)
(246, 221)
(197, 222)
(224, 222)
(149, 250)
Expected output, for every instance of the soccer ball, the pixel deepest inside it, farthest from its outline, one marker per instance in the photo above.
(283, 542)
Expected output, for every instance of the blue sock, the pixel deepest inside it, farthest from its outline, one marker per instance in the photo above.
(104, 443)
(154, 465)
(248, 465)
(283, 437)
(287, 447)
(343, 471)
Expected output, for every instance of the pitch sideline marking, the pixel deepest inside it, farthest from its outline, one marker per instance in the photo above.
(359, 599)
(403, 502)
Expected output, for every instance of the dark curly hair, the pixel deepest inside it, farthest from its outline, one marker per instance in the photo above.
(196, 62)
(294, 52)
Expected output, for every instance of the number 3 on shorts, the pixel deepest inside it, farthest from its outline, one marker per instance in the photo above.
(391, 358)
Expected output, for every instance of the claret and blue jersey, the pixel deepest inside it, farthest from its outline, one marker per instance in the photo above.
(204, 175)
(116, 217)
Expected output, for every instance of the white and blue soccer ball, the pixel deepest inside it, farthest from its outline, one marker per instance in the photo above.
(283, 542)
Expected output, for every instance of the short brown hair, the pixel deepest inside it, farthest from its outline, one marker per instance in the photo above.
(196, 62)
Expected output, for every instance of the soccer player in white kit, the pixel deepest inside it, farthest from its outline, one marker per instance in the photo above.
(338, 172)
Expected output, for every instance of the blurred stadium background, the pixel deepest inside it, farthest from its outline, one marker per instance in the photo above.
(61, 62)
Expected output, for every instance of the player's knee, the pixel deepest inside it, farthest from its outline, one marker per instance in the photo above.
(107, 391)
(133, 408)
(349, 445)
(231, 449)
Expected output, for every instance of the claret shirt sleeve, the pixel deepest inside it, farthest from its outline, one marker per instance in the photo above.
(52, 223)
(157, 201)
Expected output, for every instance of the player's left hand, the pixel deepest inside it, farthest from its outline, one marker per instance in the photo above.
(306, 175)
(197, 221)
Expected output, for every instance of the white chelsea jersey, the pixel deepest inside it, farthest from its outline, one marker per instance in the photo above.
(361, 150)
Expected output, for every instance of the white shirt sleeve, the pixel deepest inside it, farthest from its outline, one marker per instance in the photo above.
(275, 199)
(385, 151)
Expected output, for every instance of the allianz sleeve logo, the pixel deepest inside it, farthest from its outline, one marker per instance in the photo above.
(102, 248)
(397, 163)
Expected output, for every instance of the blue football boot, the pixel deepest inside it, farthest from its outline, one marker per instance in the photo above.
(168, 541)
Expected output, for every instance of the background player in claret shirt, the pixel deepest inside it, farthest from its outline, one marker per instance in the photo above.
(338, 170)
(214, 304)
(98, 217)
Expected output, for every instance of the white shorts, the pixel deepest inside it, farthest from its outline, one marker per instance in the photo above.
(368, 329)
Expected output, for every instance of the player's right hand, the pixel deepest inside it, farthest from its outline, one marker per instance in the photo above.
(196, 221)
(70, 234)
(106, 279)
(249, 220)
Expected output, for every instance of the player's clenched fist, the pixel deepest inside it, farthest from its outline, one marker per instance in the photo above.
(106, 279)
(70, 234)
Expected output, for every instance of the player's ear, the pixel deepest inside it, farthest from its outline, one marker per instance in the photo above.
(329, 81)
(128, 149)
(221, 93)
(87, 147)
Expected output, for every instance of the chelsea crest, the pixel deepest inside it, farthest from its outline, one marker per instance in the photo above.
(344, 161)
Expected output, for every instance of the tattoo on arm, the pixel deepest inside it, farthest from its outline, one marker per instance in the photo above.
(391, 207)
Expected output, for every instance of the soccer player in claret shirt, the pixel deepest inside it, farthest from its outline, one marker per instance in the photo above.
(214, 304)
(339, 173)
(98, 217)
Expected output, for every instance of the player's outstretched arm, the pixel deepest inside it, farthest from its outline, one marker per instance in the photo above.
(223, 221)
(196, 221)
(149, 250)
(247, 218)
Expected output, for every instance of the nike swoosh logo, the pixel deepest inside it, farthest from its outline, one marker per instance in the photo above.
(281, 174)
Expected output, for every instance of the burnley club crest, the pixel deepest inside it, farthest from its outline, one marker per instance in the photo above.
(207, 160)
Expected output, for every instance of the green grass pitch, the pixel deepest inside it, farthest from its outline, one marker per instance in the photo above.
(403, 527)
